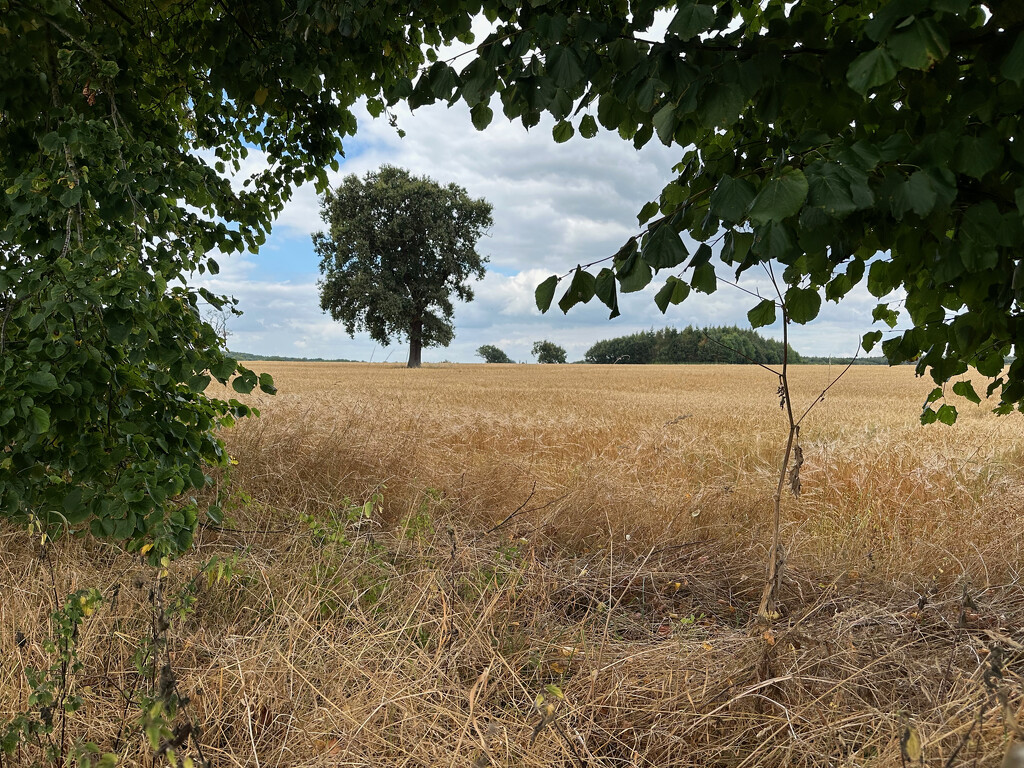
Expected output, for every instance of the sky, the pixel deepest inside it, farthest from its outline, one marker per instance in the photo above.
(555, 206)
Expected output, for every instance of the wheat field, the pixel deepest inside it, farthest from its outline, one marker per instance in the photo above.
(661, 454)
(508, 565)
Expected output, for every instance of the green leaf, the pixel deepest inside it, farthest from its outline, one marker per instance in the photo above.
(267, 384)
(588, 127)
(991, 365)
(665, 123)
(802, 304)
(892, 13)
(737, 246)
(563, 131)
(634, 275)
(664, 248)
(978, 155)
(244, 383)
(966, 389)
(199, 383)
(564, 66)
(39, 421)
(947, 414)
(674, 291)
(882, 312)
(70, 196)
(1013, 64)
(776, 242)
(443, 80)
(732, 198)
(481, 116)
(545, 293)
(920, 45)
(870, 340)
(780, 198)
(869, 70)
(917, 194)
(827, 189)
(224, 369)
(721, 104)
(702, 256)
(648, 212)
(43, 381)
(673, 194)
(581, 290)
(604, 289)
(763, 314)
(704, 278)
(691, 20)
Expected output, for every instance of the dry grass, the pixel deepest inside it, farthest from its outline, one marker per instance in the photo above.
(628, 575)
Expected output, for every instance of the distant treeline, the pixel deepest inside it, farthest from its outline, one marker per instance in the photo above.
(249, 357)
(843, 360)
(727, 344)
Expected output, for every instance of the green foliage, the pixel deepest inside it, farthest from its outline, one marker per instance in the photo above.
(492, 354)
(548, 352)
(343, 522)
(40, 730)
(119, 123)
(690, 345)
(399, 246)
(419, 525)
(823, 138)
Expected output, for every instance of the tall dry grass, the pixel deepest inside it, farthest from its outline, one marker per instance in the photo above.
(626, 573)
(662, 454)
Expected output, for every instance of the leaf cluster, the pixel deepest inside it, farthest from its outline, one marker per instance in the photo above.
(121, 124)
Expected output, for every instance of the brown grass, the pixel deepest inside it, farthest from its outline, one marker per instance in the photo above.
(627, 575)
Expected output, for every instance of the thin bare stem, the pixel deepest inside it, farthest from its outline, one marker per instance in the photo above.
(821, 397)
(767, 612)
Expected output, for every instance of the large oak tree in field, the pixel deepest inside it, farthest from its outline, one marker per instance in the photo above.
(398, 248)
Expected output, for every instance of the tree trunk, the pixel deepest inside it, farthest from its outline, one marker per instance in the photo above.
(415, 343)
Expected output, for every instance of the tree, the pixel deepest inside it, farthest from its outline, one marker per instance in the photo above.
(865, 141)
(398, 247)
(120, 121)
(548, 352)
(492, 354)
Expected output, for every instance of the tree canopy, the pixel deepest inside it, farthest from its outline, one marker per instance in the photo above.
(548, 352)
(120, 121)
(493, 354)
(398, 247)
(874, 141)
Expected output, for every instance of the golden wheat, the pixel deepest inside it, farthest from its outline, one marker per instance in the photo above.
(660, 454)
(632, 507)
